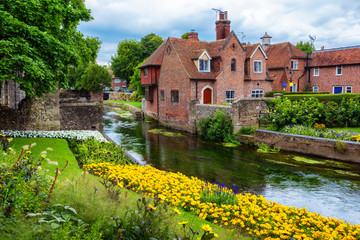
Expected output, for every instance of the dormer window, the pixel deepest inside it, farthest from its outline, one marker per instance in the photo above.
(204, 62)
(204, 65)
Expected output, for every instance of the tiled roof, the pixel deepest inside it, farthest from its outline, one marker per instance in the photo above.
(156, 58)
(249, 49)
(337, 56)
(279, 54)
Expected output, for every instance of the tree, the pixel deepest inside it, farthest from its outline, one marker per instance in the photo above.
(305, 47)
(135, 81)
(150, 43)
(38, 42)
(129, 54)
(185, 36)
(95, 78)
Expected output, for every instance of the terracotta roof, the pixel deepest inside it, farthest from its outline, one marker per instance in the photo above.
(279, 54)
(156, 58)
(337, 56)
(249, 49)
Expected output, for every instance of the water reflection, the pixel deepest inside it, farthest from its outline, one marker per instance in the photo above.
(328, 187)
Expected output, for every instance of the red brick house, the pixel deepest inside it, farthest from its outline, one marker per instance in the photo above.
(117, 84)
(287, 64)
(335, 70)
(182, 70)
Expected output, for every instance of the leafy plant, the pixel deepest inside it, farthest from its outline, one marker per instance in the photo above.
(247, 130)
(264, 148)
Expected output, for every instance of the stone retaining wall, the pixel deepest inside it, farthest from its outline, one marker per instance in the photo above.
(321, 147)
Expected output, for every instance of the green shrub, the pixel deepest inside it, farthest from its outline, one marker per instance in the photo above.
(92, 151)
(271, 94)
(247, 130)
(337, 98)
(218, 128)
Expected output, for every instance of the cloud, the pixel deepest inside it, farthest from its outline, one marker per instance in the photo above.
(335, 23)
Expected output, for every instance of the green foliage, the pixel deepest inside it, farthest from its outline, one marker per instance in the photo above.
(38, 42)
(323, 133)
(308, 111)
(185, 36)
(218, 128)
(135, 81)
(219, 197)
(326, 97)
(310, 93)
(247, 130)
(306, 47)
(92, 151)
(264, 148)
(95, 78)
(129, 54)
(150, 43)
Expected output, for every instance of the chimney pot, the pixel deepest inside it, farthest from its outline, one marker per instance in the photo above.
(322, 48)
(193, 36)
(222, 26)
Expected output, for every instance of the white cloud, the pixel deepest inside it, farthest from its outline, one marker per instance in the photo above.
(335, 23)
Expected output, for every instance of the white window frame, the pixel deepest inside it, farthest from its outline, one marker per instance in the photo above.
(316, 72)
(117, 88)
(315, 88)
(342, 89)
(337, 70)
(348, 87)
(232, 96)
(255, 68)
(116, 80)
(257, 93)
(294, 64)
(204, 65)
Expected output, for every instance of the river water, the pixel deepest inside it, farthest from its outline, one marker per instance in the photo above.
(324, 186)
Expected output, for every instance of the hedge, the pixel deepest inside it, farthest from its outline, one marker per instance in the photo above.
(326, 97)
(271, 94)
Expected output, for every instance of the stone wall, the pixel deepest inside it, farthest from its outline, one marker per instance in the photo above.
(81, 114)
(321, 147)
(121, 96)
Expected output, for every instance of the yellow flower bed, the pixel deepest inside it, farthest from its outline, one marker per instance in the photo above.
(252, 213)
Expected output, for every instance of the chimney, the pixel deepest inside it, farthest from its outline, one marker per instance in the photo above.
(322, 48)
(265, 41)
(193, 36)
(222, 26)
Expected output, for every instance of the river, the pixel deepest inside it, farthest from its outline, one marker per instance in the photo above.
(328, 187)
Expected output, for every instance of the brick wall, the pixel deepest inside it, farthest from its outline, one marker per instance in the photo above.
(327, 78)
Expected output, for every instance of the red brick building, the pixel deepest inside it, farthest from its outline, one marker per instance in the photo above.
(217, 72)
(287, 64)
(117, 84)
(335, 70)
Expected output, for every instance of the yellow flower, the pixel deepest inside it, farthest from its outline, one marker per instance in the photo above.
(183, 223)
(206, 227)
(177, 211)
(215, 235)
(151, 207)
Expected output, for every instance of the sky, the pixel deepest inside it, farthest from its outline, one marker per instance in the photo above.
(334, 23)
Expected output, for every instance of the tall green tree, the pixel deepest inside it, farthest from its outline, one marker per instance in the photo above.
(95, 78)
(150, 43)
(306, 47)
(135, 81)
(38, 42)
(129, 54)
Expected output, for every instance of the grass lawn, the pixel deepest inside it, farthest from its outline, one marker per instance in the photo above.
(90, 198)
(353, 129)
(135, 104)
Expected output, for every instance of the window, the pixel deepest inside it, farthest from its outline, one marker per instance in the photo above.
(315, 88)
(316, 71)
(293, 88)
(338, 70)
(145, 72)
(148, 94)
(204, 65)
(124, 81)
(175, 96)
(117, 88)
(229, 96)
(162, 96)
(233, 65)
(337, 89)
(116, 80)
(294, 64)
(257, 66)
(107, 88)
(256, 93)
(348, 89)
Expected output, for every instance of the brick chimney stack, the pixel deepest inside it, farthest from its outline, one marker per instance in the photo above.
(322, 48)
(222, 26)
(193, 36)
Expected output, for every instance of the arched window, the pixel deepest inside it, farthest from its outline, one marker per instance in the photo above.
(233, 65)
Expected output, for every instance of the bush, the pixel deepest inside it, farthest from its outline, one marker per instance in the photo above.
(92, 151)
(218, 128)
(337, 98)
(271, 94)
(247, 131)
